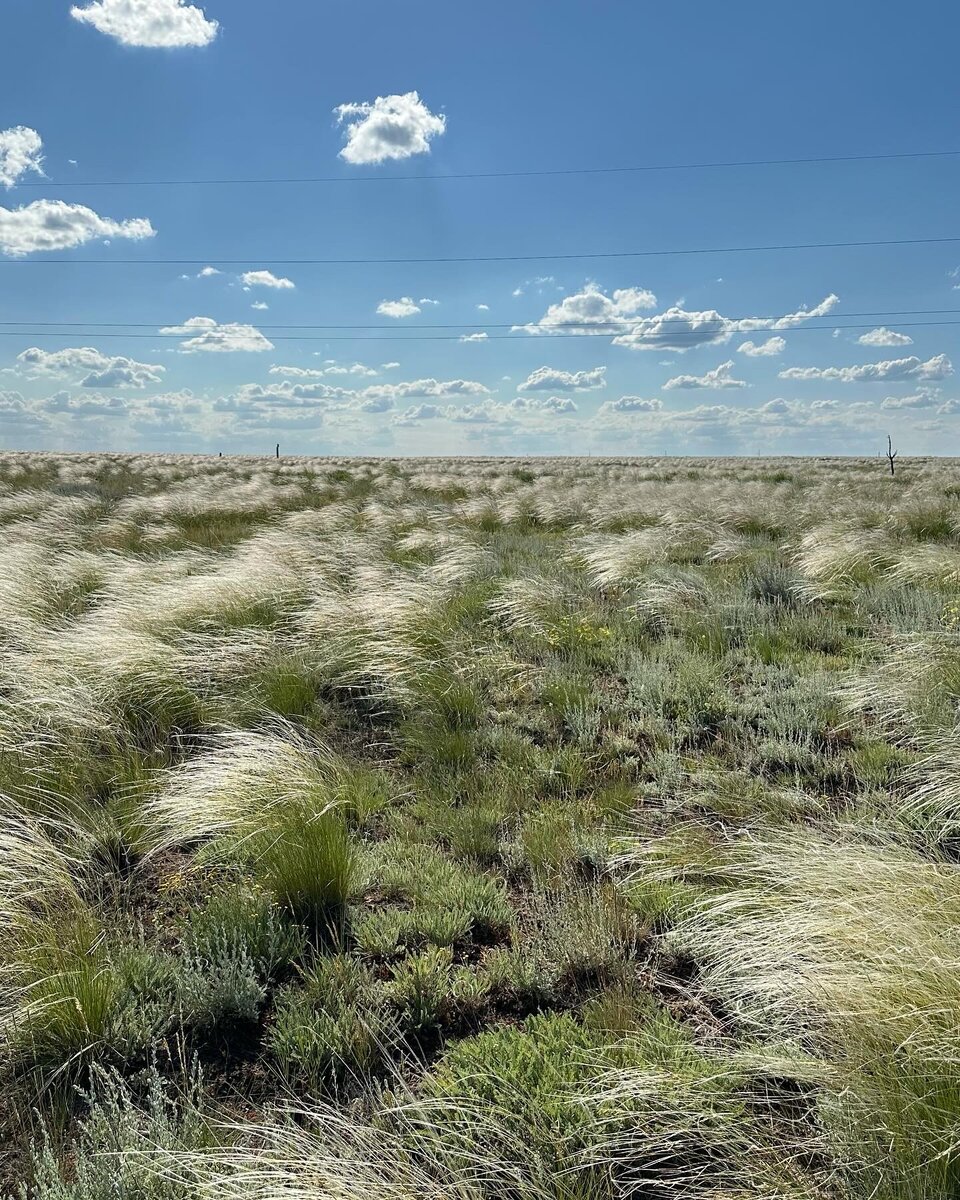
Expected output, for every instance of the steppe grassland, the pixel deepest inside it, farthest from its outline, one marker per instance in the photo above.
(479, 828)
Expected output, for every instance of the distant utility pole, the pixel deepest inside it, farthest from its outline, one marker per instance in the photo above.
(278, 449)
(891, 454)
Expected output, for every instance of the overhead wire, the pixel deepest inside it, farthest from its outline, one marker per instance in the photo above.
(659, 337)
(888, 314)
(521, 174)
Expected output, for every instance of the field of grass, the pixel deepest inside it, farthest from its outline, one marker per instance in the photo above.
(479, 829)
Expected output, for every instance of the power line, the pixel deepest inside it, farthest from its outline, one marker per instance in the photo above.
(653, 339)
(888, 313)
(480, 258)
(538, 174)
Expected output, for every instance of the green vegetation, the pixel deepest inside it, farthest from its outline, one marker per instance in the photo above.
(479, 830)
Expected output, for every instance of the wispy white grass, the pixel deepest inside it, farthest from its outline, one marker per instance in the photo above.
(850, 949)
(271, 800)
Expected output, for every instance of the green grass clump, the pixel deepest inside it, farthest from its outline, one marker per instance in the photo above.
(333, 1030)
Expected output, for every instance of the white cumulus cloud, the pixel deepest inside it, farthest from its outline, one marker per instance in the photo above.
(631, 404)
(56, 225)
(206, 334)
(96, 369)
(593, 311)
(20, 151)
(548, 379)
(406, 306)
(543, 404)
(884, 337)
(155, 23)
(267, 279)
(522, 411)
(679, 329)
(474, 337)
(432, 388)
(719, 377)
(330, 367)
(388, 128)
(924, 398)
(773, 345)
(938, 367)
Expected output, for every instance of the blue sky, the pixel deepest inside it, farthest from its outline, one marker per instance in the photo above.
(707, 353)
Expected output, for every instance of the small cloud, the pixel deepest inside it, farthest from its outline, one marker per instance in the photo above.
(925, 398)
(632, 404)
(549, 379)
(474, 337)
(154, 23)
(774, 345)
(483, 307)
(406, 306)
(719, 377)
(206, 334)
(427, 300)
(937, 367)
(20, 151)
(260, 305)
(390, 127)
(884, 337)
(207, 272)
(47, 225)
(267, 279)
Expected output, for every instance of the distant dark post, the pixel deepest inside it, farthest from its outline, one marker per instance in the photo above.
(278, 449)
(891, 454)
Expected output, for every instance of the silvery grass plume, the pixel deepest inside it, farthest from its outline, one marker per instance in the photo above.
(558, 508)
(655, 1133)
(927, 563)
(44, 582)
(836, 556)
(271, 800)
(458, 563)
(321, 1153)
(38, 874)
(731, 546)
(480, 511)
(612, 561)
(231, 786)
(912, 686)
(41, 909)
(533, 603)
(852, 950)
(267, 572)
(931, 808)
(383, 629)
(669, 593)
(427, 540)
